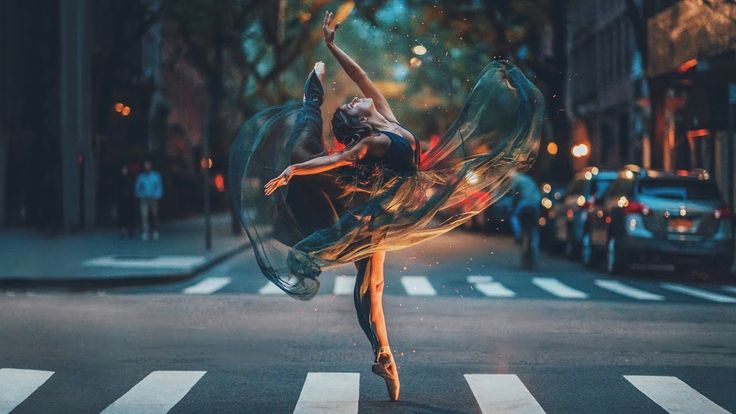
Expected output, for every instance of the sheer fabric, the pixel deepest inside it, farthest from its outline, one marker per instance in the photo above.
(347, 214)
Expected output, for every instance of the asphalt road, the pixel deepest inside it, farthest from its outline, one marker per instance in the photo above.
(471, 332)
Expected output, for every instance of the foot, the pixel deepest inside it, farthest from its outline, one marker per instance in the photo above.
(385, 367)
(155, 235)
(144, 236)
(319, 70)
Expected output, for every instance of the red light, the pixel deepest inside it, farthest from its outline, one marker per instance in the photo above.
(608, 220)
(682, 173)
(637, 208)
(219, 183)
(695, 133)
(687, 65)
(722, 213)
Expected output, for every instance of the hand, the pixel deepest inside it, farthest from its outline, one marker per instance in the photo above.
(319, 70)
(277, 182)
(329, 32)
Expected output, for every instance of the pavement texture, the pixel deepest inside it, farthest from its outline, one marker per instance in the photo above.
(102, 257)
(255, 351)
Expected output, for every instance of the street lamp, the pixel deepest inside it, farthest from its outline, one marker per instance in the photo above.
(419, 50)
(580, 150)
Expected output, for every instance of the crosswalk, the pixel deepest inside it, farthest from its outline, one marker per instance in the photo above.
(339, 392)
(488, 286)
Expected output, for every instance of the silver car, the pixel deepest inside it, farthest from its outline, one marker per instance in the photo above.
(568, 218)
(661, 217)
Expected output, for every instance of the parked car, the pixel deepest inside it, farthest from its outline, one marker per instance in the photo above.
(663, 217)
(552, 195)
(570, 215)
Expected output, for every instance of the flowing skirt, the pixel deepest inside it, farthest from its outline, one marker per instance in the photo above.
(347, 214)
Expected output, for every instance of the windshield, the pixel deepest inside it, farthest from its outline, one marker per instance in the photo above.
(679, 189)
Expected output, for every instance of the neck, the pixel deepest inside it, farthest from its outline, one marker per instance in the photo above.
(378, 121)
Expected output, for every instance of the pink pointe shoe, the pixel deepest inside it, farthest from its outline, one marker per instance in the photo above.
(385, 367)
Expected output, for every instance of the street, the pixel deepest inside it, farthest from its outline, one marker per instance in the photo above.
(470, 330)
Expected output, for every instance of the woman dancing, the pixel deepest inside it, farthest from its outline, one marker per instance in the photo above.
(353, 205)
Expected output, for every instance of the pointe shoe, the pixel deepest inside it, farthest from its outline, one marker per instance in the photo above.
(319, 70)
(385, 367)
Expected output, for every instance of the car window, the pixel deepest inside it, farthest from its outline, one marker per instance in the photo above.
(679, 189)
(616, 188)
(576, 187)
(600, 187)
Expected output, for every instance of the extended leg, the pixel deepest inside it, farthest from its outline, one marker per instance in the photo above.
(368, 296)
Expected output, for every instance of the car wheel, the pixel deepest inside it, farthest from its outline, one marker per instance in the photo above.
(615, 260)
(587, 255)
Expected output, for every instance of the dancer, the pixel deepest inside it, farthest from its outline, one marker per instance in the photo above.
(353, 205)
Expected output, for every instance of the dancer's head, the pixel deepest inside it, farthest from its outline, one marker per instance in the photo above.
(350, 121)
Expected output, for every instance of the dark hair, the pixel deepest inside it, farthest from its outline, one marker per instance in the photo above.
(348, 128)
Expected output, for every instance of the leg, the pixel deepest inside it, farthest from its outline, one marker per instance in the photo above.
(144, 218)
(376, 292)
(369, 305)
(154, 218)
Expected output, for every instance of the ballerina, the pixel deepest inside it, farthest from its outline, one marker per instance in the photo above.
(353, 205)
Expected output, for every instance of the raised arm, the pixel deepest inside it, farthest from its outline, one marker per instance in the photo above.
(319, 164)
(354, 71)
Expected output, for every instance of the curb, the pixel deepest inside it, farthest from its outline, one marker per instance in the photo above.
(77, 283)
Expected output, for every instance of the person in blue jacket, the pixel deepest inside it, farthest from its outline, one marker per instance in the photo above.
(148, 190)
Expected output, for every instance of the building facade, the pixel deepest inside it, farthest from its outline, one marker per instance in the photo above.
(604, 83)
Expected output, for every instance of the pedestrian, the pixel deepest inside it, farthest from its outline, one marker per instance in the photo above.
(125, 201)
(372, 194)
(149, 189)
(526, 195)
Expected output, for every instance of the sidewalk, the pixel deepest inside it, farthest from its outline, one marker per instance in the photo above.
(101, 257)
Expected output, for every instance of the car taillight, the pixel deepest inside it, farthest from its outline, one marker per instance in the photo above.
(722, 213)
(635, 207)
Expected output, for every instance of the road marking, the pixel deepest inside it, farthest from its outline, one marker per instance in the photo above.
(621, 289)
(18, 384)
(157, 393)
(418, 286)
(329, 392)
(271, 289)
(479, 279)
(147, 262)
(558, 288)
(699, 293)
(344, 285)
(502, 394)
(494, 290)
(674, 395)
(208, 286)
(731, 289)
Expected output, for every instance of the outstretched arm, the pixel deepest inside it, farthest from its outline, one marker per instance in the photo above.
(354, 71)
(318, 164)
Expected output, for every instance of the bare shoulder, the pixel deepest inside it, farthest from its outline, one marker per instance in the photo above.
(377, 144)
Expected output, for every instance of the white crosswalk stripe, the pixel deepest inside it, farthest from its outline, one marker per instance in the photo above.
(558, 288)
(271, 289)
(157, 393)
(494, 290)
(699, 293)
(18, 384)
(344, 285)
(625, 290)
(207, 286)
(674, 395)
(502, 394)
(479, 279)
(329, 392)
(418, 286)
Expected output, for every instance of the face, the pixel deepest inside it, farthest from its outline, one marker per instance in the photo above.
(359, 106)
(147, 166)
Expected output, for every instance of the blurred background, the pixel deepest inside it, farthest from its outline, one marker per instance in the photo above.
(90, 86)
